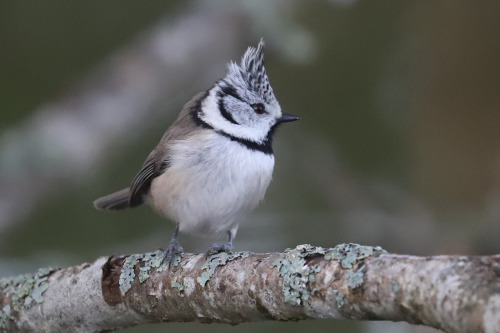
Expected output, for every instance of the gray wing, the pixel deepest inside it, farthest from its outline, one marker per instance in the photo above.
(142, 181)
(159, 159)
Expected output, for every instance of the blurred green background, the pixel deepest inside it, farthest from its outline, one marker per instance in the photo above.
(398, 143)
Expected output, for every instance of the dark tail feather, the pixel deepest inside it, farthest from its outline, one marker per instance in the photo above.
(114, 201)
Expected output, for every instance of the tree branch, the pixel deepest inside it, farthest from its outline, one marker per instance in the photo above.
(350, 281)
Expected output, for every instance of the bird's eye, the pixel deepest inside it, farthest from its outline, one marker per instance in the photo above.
(259, 108)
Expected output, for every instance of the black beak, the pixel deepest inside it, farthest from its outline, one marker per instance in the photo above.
(285, 118)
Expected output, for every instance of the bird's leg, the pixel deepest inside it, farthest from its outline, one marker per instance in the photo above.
(174, 248)
(228, 247)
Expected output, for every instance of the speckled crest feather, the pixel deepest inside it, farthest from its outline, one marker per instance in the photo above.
(252, 73)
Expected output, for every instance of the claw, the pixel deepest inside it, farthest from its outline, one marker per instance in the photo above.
(228, 247)
(174, 249)
(217, 248)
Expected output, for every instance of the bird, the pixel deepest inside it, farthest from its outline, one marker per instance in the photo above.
(214, 163)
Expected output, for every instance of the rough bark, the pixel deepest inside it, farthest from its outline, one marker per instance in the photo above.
(350, 281)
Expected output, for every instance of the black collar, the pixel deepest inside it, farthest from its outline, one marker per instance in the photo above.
(264, 147)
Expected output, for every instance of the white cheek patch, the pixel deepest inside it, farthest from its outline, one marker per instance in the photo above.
(239, 110)
(212, 116)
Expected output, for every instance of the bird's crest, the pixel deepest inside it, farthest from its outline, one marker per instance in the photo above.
(251, 73)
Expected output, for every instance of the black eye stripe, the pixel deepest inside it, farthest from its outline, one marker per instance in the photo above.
(230, 91)
(264, 147)
(224, 112)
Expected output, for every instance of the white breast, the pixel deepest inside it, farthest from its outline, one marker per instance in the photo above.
(211, 183)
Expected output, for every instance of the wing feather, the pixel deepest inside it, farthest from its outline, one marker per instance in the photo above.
(159, 159)
(142, 182)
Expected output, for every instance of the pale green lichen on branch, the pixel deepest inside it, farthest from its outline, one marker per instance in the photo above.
(25, 291)
(156, 260)
(127, 274)
(349, 253)
(148, 261)
(5, 316)
(216, 260)
(298, 275)
(181, 287)
(355, 278)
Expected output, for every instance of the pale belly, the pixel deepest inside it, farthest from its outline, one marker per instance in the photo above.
(210, 186)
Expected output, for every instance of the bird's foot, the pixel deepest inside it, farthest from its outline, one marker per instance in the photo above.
(173, 250)
(217, 248)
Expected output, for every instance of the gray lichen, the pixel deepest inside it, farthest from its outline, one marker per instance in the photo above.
(151, 260)
(148, 261)
(127, 275)
(297, 274)
(143, 273)
(181, 287)
(215, 260)
(349, 254)
(339, 299)
(355, 278)
(5, 316)
(25, 291)
(175, 262)
(28, 288)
